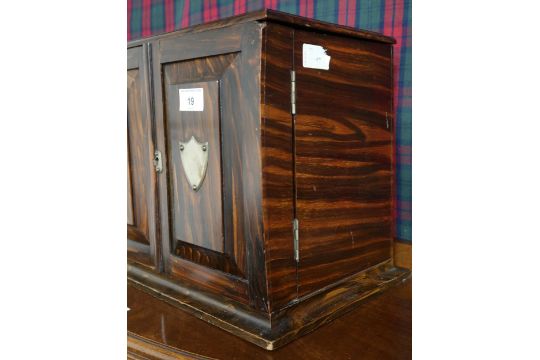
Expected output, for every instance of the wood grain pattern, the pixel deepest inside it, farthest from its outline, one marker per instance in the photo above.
(197, 216)
(141, 227)
(380, 329)
(130, 218)
(322, 27)
(206, 278)
(243, 161)
(290, 323)
(140, 348)
(403, 254)
(278, 164)
(230, 312)
(179, 75)
(343, 159)
(232, 58)
(209, 258)
(226, 252)
(138, 161)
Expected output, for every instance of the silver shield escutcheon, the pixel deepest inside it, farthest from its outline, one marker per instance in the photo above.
(194, 157)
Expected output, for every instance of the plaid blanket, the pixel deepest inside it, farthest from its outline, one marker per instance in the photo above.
(390, 17)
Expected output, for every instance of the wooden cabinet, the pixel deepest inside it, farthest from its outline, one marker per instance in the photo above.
(260, 182)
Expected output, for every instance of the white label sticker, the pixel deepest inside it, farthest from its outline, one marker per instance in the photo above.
(192, 99)
(315, 57)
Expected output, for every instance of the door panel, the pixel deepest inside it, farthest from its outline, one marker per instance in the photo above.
(343, 159)
(197, 214)
(209, 233)
(141, 183)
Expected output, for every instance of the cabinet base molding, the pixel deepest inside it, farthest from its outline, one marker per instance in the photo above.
(274, 330)
(140, 348)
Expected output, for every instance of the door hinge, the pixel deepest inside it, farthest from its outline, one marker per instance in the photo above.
(387, 123)
(295, 237)
(157, 161)
(293, 92)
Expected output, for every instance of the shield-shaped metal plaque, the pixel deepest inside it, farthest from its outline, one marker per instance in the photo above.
(194, 161)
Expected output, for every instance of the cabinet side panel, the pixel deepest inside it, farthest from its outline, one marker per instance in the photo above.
(278, 165)
(343, 159)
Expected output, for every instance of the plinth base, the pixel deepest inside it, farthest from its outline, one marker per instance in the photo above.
(276, 329)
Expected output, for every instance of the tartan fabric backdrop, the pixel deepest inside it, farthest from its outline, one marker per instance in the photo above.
(390, 17)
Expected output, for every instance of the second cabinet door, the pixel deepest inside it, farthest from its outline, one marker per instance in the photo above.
(141, 179)
(343, 159)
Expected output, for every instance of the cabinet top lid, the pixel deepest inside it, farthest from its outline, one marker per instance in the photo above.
(284, 18)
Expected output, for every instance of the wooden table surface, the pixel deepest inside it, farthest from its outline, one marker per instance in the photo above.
(379, 329)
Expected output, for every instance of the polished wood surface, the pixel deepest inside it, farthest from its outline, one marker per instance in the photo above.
(278, 164)
(197, 216)
(130, 217)
(343, 159)
(304, 23)
(226, 252)
(141, 182)
(277, 329)
(200, 213)
(379, 329)
(403, 254)
(232, 260)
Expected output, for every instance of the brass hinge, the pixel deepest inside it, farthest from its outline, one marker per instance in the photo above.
(293, 92)
(295, 237)
(157, 161)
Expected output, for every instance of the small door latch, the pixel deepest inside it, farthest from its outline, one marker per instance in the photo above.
(295, 239)
(293, 92)
(157, 161)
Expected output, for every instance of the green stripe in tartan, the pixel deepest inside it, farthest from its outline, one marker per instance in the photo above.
(326, 11)
(226, 8)
(404, 130)
(157, 15)
(370, 15)
(178, 12)
(404, 187)
(195, 12)
(289, 6)
(136, 19)
(404, 230)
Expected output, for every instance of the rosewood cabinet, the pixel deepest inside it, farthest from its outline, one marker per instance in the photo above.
(260, 171)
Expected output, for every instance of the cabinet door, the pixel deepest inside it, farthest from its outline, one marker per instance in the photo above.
(208, 125)
(141, 181)
(343, 158)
